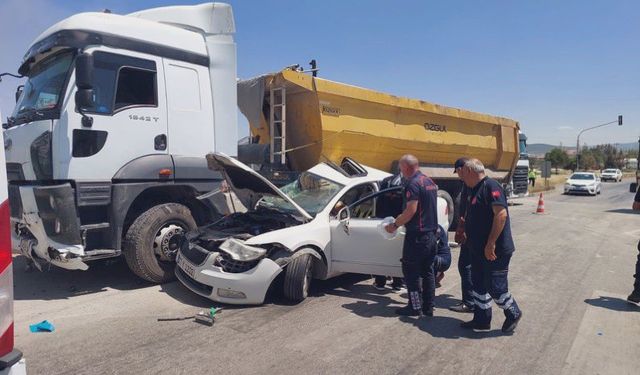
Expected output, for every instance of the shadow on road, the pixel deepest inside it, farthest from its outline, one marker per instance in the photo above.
(57, 283)
(612, 303)
(449, 328)
(624, 211)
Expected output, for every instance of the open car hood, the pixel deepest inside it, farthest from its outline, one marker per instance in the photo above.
(248, 185)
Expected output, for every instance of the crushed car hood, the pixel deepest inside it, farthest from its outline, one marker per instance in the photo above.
(248, 185)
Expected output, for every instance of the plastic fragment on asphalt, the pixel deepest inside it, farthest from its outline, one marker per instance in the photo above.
(43, 326)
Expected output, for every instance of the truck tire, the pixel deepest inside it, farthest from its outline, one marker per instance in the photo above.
(148, 244)
(447, 197)
(297, 278)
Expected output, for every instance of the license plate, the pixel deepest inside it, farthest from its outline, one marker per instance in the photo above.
(186, 266)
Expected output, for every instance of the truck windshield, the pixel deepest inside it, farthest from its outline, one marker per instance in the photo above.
(309, 191)
(43, 87)
(523, 147)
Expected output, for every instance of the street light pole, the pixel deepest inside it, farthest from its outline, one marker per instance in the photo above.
(619, 121)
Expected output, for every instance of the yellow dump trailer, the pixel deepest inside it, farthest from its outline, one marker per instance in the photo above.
(297, 120)
(319, 118)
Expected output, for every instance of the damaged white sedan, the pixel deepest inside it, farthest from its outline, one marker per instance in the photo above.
(321, 225)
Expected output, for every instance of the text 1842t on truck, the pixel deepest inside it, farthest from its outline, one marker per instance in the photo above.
(106, 146)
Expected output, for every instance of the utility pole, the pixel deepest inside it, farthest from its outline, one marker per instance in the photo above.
(619, 121)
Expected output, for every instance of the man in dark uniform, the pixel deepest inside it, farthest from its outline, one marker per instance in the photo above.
(464, 260)
(635, 295)
(442, 261)
(420, 218)
(489, 239)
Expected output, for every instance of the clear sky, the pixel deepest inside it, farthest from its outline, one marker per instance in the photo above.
(554, 66)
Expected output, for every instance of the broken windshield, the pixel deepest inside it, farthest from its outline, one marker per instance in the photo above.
(309, 191)
(44, 86)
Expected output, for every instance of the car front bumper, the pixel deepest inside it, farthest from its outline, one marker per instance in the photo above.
(210, 281)
(580, 190)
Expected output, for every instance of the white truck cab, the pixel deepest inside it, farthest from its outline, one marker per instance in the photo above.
(106, 146)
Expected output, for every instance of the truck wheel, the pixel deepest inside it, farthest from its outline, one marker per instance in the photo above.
(451, 208)
(151, 243)
(297, 278)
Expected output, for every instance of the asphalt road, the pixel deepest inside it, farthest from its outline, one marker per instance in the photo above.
(570, 274)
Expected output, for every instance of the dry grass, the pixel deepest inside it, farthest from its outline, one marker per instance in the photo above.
(552, 182)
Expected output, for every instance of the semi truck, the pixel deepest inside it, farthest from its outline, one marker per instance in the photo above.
(297, 120)
(519, 184)
(106, 146)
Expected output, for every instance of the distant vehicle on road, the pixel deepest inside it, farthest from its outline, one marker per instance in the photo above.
(325, 223)
(583, 183)
(611, 174)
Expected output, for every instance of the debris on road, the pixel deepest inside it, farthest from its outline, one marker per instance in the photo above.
(43, 326)
(202, 317)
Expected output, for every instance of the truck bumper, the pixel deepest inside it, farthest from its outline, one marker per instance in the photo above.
(210, 281)
(45, 226)
(13, 364)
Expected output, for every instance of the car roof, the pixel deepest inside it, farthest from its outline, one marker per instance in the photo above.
(591, 173)
(325, 170)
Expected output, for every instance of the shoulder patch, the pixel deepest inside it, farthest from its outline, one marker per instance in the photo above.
(495, 193)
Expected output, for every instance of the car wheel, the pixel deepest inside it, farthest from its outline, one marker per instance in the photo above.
(297, 278)
(151, 242)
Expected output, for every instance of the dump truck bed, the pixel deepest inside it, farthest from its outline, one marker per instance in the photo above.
(326, 119)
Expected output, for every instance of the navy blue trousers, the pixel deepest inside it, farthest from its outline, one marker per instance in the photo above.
(418, 254)
(636, 284)
(464, 267)
(490, 282)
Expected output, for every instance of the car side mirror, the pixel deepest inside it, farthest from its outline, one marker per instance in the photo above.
(344, 214)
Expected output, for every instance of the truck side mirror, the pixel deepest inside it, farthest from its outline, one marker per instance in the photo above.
(84, 71)
(84, 83)
(19, 91)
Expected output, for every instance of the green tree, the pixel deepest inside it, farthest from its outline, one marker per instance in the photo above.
(557, 157)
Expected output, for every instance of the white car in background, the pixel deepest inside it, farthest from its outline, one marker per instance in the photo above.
(611, 174)
(582, 183)
(321, 225)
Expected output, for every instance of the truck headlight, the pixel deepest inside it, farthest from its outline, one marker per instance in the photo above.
(238, 250)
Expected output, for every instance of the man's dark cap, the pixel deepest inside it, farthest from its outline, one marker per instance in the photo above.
(459, 164)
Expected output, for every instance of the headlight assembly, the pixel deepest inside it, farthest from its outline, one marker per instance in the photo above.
(238, 250)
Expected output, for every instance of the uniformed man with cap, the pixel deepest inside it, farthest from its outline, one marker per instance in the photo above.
(464, 260)
(488, 232)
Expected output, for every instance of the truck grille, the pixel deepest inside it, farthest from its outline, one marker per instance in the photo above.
(520, 180)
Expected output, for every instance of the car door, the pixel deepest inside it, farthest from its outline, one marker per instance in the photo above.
(356, 243)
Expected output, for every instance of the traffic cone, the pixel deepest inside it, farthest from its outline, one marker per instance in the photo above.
(540, 209)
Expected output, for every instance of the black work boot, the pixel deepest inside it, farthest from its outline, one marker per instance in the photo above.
(510, 324)
(634, 297)
(408, 311)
